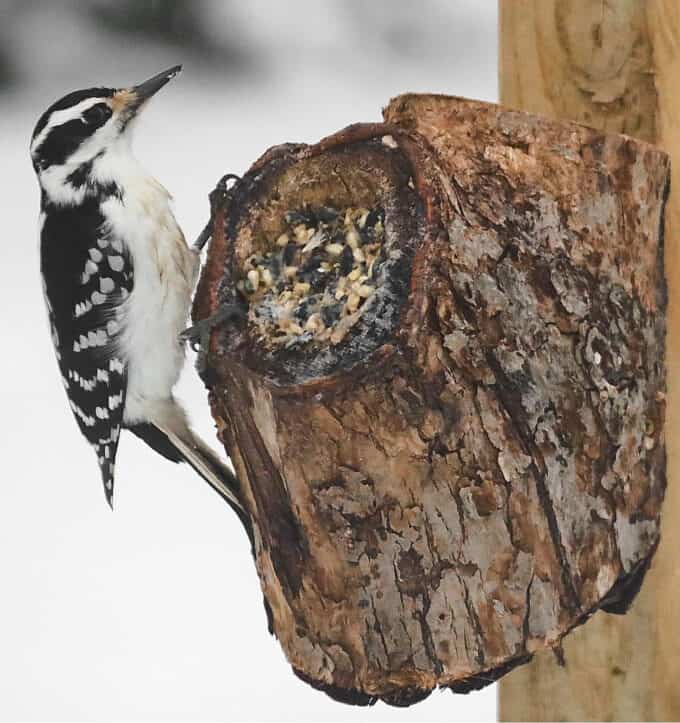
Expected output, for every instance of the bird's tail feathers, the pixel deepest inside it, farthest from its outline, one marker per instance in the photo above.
(206, 463)
(173, 423)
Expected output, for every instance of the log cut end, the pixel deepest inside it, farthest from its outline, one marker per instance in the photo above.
(323, 259)
(445, 402)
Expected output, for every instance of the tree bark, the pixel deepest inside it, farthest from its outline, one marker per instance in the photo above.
(478, 465)
(613, 66)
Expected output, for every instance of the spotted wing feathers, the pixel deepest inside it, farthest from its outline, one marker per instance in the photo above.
(87, 278)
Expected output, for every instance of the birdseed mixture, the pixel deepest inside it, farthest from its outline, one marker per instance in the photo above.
(318, 277)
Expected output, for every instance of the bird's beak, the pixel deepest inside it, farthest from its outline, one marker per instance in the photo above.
(132, 99)
(145, 90)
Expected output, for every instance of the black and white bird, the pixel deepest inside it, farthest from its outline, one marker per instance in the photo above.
(118, 279)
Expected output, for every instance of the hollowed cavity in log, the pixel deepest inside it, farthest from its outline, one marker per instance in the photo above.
(322, 258)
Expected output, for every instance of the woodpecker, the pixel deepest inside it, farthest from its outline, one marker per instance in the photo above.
(118, 277)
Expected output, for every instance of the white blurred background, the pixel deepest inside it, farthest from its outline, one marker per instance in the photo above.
(154, 612)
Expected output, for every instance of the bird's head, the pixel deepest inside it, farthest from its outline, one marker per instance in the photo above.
(87, 124)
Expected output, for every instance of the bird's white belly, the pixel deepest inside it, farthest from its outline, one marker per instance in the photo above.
(157, 308)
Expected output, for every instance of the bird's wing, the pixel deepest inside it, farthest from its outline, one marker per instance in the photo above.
(87, 277)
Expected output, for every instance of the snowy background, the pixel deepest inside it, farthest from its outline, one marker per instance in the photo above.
(154, 612)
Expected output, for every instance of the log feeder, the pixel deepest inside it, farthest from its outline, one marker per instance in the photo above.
(445, 402)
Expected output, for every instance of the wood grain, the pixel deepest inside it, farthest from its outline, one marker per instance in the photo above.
(614, 66)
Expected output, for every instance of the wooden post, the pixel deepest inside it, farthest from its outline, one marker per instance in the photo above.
(614, 66)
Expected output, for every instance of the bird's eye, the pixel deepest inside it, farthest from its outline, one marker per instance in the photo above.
(97, 115)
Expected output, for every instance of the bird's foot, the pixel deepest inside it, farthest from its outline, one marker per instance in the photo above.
(223, 183)
(203, 237)
(198, 335)
(222, 189)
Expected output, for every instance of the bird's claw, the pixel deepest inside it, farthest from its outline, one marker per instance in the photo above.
(221, 189)
(223, 183)
(198, 335)
(203, 237)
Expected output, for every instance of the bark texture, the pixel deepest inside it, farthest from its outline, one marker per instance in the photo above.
(480, 466)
